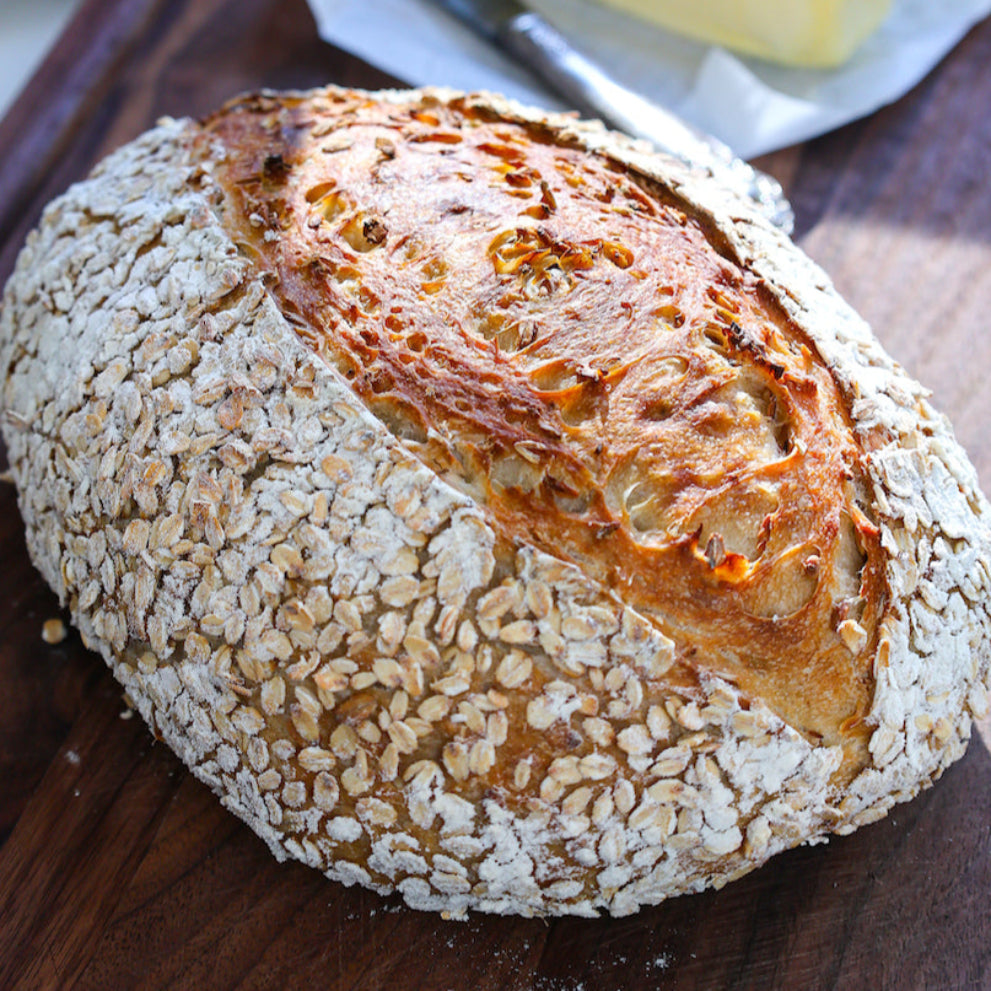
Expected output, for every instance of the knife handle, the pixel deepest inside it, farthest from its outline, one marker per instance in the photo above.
(543, 49)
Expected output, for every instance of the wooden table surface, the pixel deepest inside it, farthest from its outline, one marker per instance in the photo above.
(119, 870)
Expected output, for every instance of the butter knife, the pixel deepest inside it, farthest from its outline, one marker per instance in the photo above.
(542, 49)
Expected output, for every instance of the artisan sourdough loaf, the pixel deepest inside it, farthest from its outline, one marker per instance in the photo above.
(486, 508)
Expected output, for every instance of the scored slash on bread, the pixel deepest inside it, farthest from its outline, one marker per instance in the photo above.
(485, 507)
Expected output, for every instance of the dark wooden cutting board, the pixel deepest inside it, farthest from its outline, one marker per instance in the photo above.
(118, 870)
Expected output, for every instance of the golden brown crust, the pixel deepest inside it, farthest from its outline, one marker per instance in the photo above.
(565, 341)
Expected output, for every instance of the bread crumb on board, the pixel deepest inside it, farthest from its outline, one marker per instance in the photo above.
(53, 631)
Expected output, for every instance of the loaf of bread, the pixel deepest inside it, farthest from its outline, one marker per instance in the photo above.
(487, 508)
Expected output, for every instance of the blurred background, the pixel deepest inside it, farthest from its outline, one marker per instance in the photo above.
(27, 29)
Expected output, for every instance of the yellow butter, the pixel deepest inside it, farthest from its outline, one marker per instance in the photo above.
(812, 33)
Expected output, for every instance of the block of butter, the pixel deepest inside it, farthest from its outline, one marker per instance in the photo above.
(810, 33)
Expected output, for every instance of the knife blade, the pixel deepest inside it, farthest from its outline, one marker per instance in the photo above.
(542, 49)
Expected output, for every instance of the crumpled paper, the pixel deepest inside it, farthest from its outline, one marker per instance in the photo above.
(753, 106)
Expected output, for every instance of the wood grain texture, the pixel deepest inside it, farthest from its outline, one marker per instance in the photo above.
(118, 870)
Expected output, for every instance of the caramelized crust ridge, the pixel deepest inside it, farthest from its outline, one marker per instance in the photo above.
(563, 340)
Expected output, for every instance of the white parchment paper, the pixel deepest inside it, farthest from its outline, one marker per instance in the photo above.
(753, 106)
